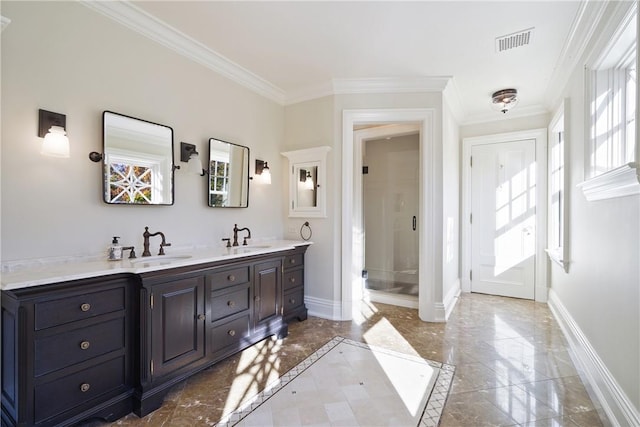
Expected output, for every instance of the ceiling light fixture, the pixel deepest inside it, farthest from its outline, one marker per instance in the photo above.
(505, 99)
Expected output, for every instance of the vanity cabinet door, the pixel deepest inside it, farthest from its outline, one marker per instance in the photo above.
(267, 292)
(177, 325)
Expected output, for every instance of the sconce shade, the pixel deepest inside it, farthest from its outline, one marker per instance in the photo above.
(266, 174)
(194, 165)
(51, 127)
(56, 143)
(263, 172)
(505, 99)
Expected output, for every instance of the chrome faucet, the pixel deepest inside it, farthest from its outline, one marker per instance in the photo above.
(235, 235)
(146, 236)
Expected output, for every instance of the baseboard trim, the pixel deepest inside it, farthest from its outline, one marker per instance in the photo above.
(617, 406)
(323, 308)
(451, 299)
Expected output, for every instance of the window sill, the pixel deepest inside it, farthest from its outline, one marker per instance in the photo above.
(556, 256)
(619, 182)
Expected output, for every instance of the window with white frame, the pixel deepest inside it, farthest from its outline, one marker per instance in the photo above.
(612, 97)
(557, 242)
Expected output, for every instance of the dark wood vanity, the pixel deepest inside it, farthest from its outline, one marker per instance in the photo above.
(106, 346)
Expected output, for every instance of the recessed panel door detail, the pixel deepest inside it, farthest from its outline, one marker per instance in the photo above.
(178, 324)
(268, 291)
(503, 218)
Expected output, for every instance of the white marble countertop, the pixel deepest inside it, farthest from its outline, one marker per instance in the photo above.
(48, 273)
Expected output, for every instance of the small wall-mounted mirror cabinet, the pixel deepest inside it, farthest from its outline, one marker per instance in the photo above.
(228, 175)
(137, 161)
(307, 182)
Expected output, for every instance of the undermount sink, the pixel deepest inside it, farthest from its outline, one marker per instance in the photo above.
(159, 259)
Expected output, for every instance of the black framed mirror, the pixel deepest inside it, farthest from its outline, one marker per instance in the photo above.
(137, 161)
(228, 175)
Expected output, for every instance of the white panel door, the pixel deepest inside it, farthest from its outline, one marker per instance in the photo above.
(503, 218)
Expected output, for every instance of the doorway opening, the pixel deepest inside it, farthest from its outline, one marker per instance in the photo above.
(390, 193)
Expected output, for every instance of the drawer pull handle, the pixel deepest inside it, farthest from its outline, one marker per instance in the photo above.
(85, 345)
(85, 307)
(292, 280)
(231, 303)
(231, 278)
(84, 387)
(231, 332)
(201, 317)
(292, 300)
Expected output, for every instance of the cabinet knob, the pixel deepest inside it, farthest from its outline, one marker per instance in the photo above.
(257, 299)
(292, 261)
(292, 300)
(201, 317)
(85, 345)
(84, 387)
(231, 303)
(231, 278)
(231, 332)
(292, 279)
(85, 307)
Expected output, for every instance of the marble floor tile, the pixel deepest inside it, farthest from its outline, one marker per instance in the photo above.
(513, 367)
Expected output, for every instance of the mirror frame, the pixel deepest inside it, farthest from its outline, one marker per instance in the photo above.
(245, 174)
(300, 159)
(105, 166)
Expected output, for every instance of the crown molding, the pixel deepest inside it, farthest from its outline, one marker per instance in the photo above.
(583, 28)
(136, 19)
(518, 112)
(369, 85)
(4, 22)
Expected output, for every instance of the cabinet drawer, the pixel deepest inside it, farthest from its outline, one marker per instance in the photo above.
(229, 333)
(293, 279)
(293, 260)
(70, 391)
(68, 348)
(293, 300)
(229, 277)
(78, 307)
(235, 300)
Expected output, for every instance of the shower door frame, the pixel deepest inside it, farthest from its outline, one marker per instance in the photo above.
(360, 137)
(430, 301)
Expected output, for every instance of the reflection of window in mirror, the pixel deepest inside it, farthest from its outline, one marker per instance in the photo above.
(133, 179)
(219, 185)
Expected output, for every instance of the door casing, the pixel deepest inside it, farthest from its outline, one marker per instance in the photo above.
(540, 137)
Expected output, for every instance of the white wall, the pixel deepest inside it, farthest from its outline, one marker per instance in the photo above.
(64, 57)
(601, 291)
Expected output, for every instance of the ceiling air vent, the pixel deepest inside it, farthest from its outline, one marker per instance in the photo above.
(514, 40)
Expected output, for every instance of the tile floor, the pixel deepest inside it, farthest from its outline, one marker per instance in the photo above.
(513, 366)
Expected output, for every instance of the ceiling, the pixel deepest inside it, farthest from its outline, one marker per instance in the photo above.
(303, 49)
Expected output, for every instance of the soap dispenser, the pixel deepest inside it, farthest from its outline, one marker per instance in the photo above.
(115, 250)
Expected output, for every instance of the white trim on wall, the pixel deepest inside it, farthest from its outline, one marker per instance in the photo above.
(350, 276)
(323, 308)
(614, 401)
(540, 136)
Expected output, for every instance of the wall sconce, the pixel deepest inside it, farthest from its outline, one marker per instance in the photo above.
(262, 170)
(189, 155)
(51, 127)
(505, 99)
